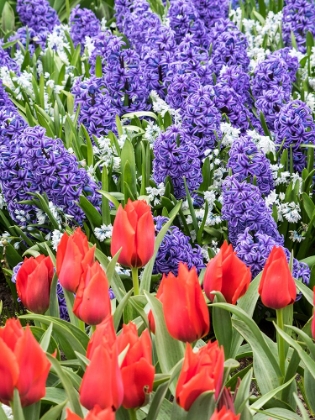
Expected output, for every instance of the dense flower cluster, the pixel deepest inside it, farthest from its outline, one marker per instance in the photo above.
(175, 248)
(83, 22)
(37, 14)
(7, 61)
(29, 38)
(177, 157)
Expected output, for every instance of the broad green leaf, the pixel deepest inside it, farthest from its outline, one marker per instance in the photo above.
(8, 18)
(306, 291)
(309, 387)
(55, 395)
(16, 407)
(55, 412)
(265, 398)
(243, 392)
(120, 309)
(90, 211)
(157, 401)
(203, 407)
(276, 414)
(45, 340)
(222, 325)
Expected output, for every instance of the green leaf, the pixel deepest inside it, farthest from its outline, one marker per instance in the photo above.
(309, 206)
(72, 394)
(307, 292)
(90, 211)
(169, 350)
(12, 256)
(3, 416)
(98, 67)
(202, 408)
(243, 392)
(265, 398)
(309, 387)
(120, 309)
(55, 395)
(222, 325)
(276, 414)
(45, 340)
(8, 18)
(157, 401)
(110, 197)
(55, 412)
(147, 273)
(16, 407)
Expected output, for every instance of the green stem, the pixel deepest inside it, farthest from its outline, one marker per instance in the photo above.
(280, 342)
(135, 280)
(132, 414)
(68, 9)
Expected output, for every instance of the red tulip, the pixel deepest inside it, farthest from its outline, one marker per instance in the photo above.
(201, 372)
(227, 274)
(33, 283)
(185, 309)
(313, 320)
(137, 369)
(104, 331)
(23, 365)
(102, 382)
(92, 303)
(96, 414)
(73, 256)
(134, 232)
(224, 414)
(277, 287)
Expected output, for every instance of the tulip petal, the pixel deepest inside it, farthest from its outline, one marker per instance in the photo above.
(69, 260)
(236, 278)
(123, 237)
(145, 238)
(9, 373)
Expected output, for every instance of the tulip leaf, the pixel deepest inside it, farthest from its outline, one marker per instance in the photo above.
(306, 359)
(90, 211)
(243, 392)
(84, 361)
(276, 414)
(178, 413)
(110, 197)
(110, 269)
(128, 170)
(53, 309)
(120, 309)
(203, 407)
(55, 412)
(306, 291)
(299, 403)
(169, 350)
(147, 273)
(69, 297)
(55, 395)
(72, 394)
(32, 411)
(45, 340)
(222, 325)
(16, 406)
(3, 416)
(307, 340)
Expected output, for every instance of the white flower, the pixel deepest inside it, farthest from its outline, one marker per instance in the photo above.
(210, 198)
(289, 211)
(156, 193)
(2, 202)
(103, 232)
(7, 411)
(271, 199)
(229, 133)
(296, 237)
(56, 238)
(41, 217)
(4, 239)
(264, 143)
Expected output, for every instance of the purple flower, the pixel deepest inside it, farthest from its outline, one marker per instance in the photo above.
(30, 39)
(177, 157)
(83, 22)
(270, 103)
(221, 26)
(246, 161)
(201, 119)
(180, 88)
(7, 61)
(105, 45)
(211, 11)
(175, 248)
(37, 14)
(236, 78)
(97, 113)
(243, 207)
(292, 62)
(299, 18)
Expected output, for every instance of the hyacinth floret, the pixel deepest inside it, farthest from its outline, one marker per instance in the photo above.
(247, 162)
(236, 78)
(7, 61)
(30, 39)
(294, 125)
(177, 157)
(292, 61)
(105, 44)
(97, 113)
(299, 18)
(201, 119)
(254, 249)
(83, 22)
(243, 207)
(175, 248)
(271, 73)
(180, 88)
(270, 103)
(210, 11)
(37, 14)
(220, 26)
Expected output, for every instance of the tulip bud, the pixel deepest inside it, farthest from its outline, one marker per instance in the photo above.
(134, 232)
(277, 287)
(33, 283)
(73, 256)
(136, 369)
(92, 303)
(201, 371)
(224, 414)
(185, 309)
(96, 414)
(227, 274)
(104, 331)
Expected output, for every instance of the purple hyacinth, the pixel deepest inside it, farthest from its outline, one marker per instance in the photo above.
(30, 39)
(11, 126)
(221, 26)
(232, 105)
(175, 248)
(201, 119)
(244, 207)
(210, 11)
(125, 79)
(63, 311)
(254, 250)
(294, 125)
(122, 10)
(97, 112)
(180, 88)
(292, 61)
(37, 163)
(230, 48)
(105, 45)
(271, 73)
(236, 78)
(37, 14)
(270, 103)
(299, 18)
(83, 22)
(246, 161)
(7, 61)
(177, 157)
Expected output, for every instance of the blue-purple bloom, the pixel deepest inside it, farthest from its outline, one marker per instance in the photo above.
(292, 61)
(235, 77)
(37, 14)
(210, 11)
(105, 45)
(270, 103)
(175, 248)
(7, 61)
(247, 162)
(29, 38)
(83, 22)
(177, 157)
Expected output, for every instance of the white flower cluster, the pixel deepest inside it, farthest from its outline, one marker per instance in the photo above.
(152, 131)
(161, 107)
(57, 41)
(155, 193)
(289, 211)
(103, 232)
(107, 154)
(264, 143)
(229, 132)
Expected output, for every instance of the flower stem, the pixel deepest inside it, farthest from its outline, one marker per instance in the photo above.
(280, 342)
(135, 280)
(132, 414)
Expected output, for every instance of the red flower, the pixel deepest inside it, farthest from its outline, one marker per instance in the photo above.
(201, 372)
(185, 309)
(96, 414)
(23, 365)
(224, 414)
(137, 369)
(73, 256)
(227, 274)
(102, 382)
(33, 283)
(104, 331)
(277, 287)
(92, 303)
(134, 232)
